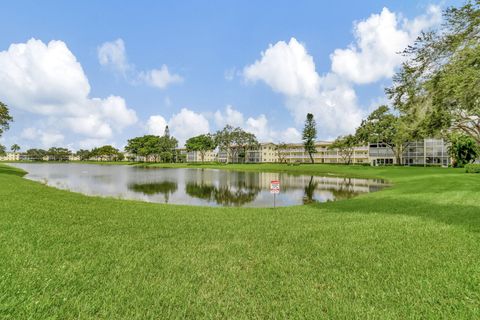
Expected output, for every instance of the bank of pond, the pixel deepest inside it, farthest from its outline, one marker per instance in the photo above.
(197, 186)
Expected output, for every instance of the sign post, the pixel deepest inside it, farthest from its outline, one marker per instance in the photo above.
(274, 188)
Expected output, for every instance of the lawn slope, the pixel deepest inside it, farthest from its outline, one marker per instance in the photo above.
(410, 251)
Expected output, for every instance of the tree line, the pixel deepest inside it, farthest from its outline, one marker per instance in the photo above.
(234, 141)
(104, 153)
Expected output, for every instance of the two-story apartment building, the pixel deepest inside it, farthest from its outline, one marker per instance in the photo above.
(196, 156)
(263, 153)
(422, 152)
(295, 153)
(10, 156)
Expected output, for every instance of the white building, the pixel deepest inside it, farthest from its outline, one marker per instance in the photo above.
(417, 153)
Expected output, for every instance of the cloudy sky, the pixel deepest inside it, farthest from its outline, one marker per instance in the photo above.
(87, 73)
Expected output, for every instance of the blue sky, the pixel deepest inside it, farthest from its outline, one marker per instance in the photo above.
(117, 71)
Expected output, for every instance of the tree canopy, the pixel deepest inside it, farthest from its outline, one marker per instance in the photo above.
(15, 148)
(280, 151)
(5, 118)
(346, 147)
(235, 141)
(463, 149)
(439, 84)
(58, 153)
(36, 154)
(383, 126)
(83, 154)
(106, 153)
(309, 136)
(153, 147)
(201, 143)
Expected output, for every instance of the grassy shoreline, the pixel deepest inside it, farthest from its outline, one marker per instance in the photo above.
(362, 171)
(410, 251)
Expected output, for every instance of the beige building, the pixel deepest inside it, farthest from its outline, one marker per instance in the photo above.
(196, 156)
(295, 153)
(73, 157)
(264, 153)
(10, 156)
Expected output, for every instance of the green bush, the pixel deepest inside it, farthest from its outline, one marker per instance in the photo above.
(463, 149)
(472, 168)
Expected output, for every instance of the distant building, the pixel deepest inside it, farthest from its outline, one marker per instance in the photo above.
(295, 153)
(196, 156)
(425, 152)
(417, 153)
(73, 157)
(10, 156)
(263, 153)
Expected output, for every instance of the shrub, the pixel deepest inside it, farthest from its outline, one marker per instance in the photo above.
(463, 149)
(472, 168)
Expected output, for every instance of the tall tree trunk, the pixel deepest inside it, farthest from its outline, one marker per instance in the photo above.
(311, 157)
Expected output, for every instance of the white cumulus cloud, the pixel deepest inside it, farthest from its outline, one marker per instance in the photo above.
(187, 123)
(41, 78)
(378, 41)
(160, 78)
(47, 80)
(183, 125)
(259, 126)
(265, 133)
(113, 54)
(156, 125)
(229, 116)
(287, 68)
(47, 138)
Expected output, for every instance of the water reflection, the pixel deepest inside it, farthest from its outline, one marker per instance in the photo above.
(224, 195)
(346, 190)
(205, 187)
(310, 191)
(166, 188)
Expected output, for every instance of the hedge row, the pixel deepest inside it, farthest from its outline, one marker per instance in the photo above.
(472, 168)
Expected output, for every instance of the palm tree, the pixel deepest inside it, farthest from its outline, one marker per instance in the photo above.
(15, 148)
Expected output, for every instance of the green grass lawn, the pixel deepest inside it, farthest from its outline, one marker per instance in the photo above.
(408, 252)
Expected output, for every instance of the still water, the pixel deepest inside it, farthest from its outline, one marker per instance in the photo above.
(203, 187)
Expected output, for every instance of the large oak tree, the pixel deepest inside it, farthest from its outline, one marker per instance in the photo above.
(201, 143)
(5, 120)
(439, 84)
(383, 126)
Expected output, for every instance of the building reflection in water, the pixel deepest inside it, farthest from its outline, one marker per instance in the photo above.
(166, 188)
(309, 191)
(208, 187)
(226, 196)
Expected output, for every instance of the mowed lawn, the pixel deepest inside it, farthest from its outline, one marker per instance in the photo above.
(408, 252)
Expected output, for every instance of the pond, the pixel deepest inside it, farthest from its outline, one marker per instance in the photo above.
(202, 187)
